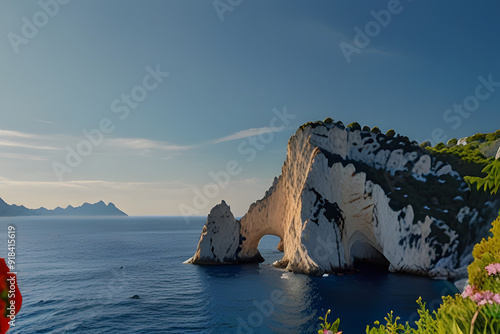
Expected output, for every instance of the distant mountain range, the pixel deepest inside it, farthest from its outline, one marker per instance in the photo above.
(98, 209)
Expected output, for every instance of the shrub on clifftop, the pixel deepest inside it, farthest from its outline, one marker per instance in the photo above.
(426, 144)
(440, 146)
(452, 142)
(493, 136)
(354, 126)
(477, 137)
(465, 159)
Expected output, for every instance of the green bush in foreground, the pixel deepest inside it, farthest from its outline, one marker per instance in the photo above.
(329, 328)
(489, 183)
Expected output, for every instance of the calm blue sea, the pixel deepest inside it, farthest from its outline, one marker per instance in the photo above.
(78, 275)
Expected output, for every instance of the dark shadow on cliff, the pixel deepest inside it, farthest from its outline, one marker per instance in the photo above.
(364, 251)
(365, 254)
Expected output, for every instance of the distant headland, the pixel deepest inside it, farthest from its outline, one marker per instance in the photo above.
(97, 209)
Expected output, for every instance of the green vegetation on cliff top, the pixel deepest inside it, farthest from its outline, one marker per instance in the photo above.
(468, 159)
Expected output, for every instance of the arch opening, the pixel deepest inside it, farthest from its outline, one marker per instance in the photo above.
(269, 248)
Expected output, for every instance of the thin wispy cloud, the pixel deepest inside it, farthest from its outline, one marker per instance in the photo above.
(15, 134)
(23, 140)
(19, 139)
(20, 144)
(20, 156)
(145, 144)
(247, 133)
(45, 121)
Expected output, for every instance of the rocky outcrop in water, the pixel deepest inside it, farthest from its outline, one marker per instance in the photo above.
(347, 195)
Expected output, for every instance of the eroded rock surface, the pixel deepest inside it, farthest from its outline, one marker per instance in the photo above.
(346, 195)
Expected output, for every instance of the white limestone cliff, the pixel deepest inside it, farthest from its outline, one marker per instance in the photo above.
(346, 195)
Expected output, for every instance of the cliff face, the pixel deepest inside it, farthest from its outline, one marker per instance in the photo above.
(346, 195)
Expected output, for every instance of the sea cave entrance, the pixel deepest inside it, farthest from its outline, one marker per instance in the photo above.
(363, 251)
(268, 248)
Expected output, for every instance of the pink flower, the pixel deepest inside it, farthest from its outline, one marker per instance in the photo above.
(477, 297)
(488, 295)
(481, 297)
(493, 269)
(469, 291)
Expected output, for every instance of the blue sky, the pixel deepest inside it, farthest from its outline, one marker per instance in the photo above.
(231, 71)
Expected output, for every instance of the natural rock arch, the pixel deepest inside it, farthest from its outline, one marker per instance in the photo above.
(346, 195)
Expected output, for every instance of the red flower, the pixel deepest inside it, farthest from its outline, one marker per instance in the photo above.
(10, 297)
